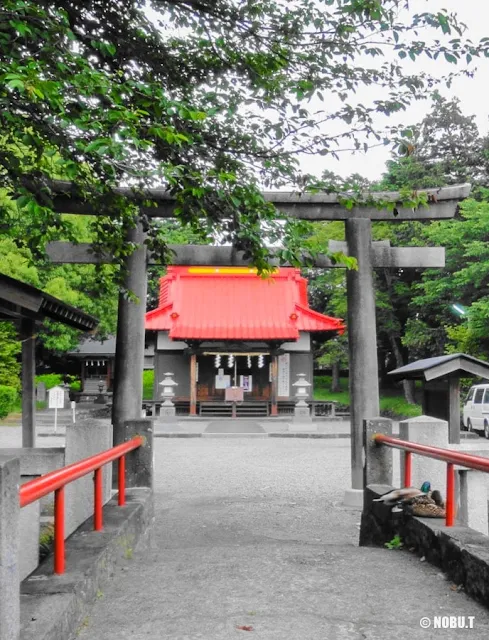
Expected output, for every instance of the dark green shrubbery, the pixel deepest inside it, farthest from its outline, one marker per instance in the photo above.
(8, 398)
(50, 380)
(55, 379)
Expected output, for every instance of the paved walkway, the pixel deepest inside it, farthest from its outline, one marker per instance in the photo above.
(251, 540)
(214, 426)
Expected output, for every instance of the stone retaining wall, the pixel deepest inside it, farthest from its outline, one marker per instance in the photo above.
(460, 552)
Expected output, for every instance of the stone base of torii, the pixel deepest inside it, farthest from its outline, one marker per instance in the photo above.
(364, 383)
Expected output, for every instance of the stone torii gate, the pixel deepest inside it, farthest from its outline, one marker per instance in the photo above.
(364, 386)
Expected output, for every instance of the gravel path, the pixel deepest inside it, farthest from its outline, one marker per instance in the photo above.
(251, 533)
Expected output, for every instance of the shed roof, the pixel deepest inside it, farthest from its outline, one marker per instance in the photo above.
(442, 366)
(234, 303)
(95, 347)
(21, 300)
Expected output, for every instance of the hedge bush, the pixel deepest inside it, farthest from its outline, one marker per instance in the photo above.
(8, 399)
(55, 379)
(50, 379)
(148, 381)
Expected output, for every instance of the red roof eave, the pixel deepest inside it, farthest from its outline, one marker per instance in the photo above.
(209, 305)
(313, 321)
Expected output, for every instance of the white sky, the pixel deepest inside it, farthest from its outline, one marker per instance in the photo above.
(472, 92)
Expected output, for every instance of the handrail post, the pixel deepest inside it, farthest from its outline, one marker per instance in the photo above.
(408, 459)
(121, 472)
(450, 505)
(98, 500)
(59, 531)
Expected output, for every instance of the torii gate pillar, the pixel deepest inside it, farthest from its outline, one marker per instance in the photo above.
(362, 344)
(129, 354)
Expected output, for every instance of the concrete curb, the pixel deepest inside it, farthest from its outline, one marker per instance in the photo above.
(309, 435)
(54, 607)
(252, 435)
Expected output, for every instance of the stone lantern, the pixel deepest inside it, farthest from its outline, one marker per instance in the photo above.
(168, 408)
(301, 409)
(101, 399)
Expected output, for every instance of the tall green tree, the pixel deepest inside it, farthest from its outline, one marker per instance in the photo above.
(434, 326)
(327, 294)
(445, 148)
(211, 99)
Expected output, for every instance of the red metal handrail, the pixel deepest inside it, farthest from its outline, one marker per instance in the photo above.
(452, 458)
(56, 481)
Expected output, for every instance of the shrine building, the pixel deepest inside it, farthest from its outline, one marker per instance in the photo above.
(222, 327)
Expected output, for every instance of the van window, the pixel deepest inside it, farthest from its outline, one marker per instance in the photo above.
(486, 397)
(478, 396)
(470, 395)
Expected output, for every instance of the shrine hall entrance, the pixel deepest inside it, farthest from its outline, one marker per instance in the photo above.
(216, 372)
(235, 384)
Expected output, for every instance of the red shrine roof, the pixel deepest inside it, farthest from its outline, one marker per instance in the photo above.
(234, 303)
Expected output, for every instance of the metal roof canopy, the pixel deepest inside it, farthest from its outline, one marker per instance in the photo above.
(444, 404)
(96, 348)
(20, 300)
(442, 367)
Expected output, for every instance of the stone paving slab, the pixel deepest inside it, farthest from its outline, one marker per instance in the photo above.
(234, 426)
(251, 532)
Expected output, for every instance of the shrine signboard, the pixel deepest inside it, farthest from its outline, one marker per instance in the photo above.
(284, 375)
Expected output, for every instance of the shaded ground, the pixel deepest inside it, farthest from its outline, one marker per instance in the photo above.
(251, 532)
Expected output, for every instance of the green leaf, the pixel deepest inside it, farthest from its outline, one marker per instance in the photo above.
(23, 201)
(16, 84)
(450, 58)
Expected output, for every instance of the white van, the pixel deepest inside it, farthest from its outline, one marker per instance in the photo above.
(476, 409)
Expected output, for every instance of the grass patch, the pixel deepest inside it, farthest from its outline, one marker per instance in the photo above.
(391, 405)
(324, 382)
(397, 407)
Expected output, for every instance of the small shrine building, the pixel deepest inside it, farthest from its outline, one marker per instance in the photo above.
(222, 327)
(94, 362)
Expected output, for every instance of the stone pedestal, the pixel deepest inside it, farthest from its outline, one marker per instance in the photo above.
(168, 410)
(9, 548)
(433, 432)
(101, 399)
(85, 439)
(302, 413)
(41, 395)
(473, 500)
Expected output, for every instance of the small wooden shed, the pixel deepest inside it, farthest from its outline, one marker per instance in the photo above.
(28, 307)
(441, 389)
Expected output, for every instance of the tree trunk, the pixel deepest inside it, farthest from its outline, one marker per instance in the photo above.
(408, 385)
(335, 377)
